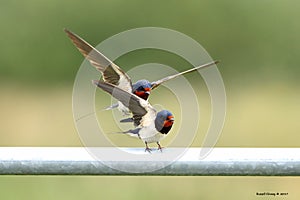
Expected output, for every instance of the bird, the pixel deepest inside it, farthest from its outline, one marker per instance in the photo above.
(152, 126)
(111, 73)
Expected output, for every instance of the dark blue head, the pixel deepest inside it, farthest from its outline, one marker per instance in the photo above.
(142, 88)
(164, 121)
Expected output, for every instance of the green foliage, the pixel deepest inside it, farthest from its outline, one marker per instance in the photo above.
(148, 188)
(257, 38)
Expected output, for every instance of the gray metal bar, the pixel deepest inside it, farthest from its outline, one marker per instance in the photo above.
(220, 162)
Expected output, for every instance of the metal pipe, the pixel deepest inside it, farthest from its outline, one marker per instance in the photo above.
(80, 161)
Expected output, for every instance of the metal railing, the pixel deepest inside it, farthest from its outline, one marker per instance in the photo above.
(220, 162)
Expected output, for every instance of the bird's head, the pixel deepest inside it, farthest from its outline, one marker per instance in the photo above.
(142, 88)
(164, 121)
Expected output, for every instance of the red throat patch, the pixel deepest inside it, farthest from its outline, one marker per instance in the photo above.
(169, 121)
(142, 94)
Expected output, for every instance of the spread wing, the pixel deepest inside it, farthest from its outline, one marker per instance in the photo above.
(143, 112)
(159, 82)
(110, 71)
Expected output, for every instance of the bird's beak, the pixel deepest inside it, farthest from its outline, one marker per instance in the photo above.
(147, 90)
(171, 118)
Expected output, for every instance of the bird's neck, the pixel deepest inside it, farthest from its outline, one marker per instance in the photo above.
(165, 129)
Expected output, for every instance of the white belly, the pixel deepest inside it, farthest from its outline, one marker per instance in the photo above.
(123, 109)
(150, 135)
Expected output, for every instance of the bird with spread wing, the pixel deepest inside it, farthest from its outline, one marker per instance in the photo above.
(152, 126)
(113, 74)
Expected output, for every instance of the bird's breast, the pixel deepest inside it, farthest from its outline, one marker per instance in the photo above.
(150, 135)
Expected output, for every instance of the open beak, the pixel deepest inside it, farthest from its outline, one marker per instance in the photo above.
(147, 90)
(171, 118)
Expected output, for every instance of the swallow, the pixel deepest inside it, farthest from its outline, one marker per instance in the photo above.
(152, 126)
(113, 74)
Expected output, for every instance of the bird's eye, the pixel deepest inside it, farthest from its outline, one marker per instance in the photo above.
(140, 88)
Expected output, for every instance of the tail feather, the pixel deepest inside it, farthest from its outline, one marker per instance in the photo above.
(127, 120)
(131, 132)
(111, 107)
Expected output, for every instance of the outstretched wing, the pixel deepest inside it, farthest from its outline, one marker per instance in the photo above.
(142, 111)
(159, 82)
(110, 71)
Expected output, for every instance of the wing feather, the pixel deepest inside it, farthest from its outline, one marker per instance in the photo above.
(110, 71)
(159, 82)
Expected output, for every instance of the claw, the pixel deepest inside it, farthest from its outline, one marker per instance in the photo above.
(159, 147)
(147, 149)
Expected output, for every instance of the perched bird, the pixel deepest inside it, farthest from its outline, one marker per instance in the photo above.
(152, 126)
(113, 74)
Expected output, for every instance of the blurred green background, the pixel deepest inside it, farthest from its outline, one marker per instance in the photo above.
(258, 45)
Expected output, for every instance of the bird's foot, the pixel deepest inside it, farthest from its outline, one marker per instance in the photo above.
(147, 149)
(160, 147)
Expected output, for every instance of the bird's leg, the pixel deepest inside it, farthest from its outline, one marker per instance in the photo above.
(159, 146)
(147, 148)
